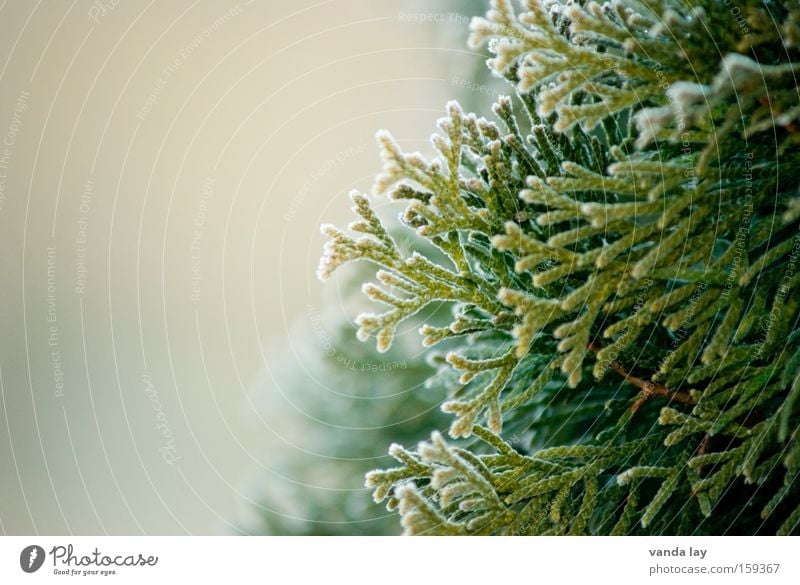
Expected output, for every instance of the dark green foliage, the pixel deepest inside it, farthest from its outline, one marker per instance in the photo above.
(621, 255)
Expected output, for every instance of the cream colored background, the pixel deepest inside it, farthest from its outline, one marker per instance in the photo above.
(278, 105)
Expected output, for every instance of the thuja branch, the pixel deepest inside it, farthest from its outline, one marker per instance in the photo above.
(648, 388)
(635, 187)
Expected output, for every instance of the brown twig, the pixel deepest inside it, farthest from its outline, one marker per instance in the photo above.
(648, 387)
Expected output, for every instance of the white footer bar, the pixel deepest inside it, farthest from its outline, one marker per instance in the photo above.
(389, 561)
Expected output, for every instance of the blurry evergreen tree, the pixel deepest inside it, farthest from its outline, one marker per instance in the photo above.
(340, 403)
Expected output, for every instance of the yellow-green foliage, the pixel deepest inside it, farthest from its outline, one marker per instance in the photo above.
(621, 257)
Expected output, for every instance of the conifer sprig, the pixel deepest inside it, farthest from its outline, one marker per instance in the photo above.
(635, 212)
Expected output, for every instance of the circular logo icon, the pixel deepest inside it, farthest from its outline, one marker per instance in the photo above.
(31, 558)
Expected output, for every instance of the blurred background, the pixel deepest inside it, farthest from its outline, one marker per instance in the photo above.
(169, 363)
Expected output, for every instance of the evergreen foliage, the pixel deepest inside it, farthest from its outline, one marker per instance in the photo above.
(335, 403)
(620, 252)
